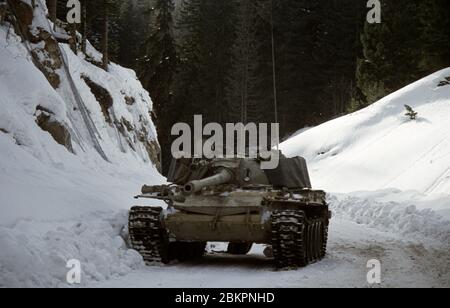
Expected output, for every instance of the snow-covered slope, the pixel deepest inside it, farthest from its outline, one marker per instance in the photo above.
(380, 148)
(41, 178)
(68, 172)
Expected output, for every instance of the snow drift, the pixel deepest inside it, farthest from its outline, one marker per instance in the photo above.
(408, 215)
(379, 147)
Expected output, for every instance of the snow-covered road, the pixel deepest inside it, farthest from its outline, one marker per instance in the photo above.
(351, 246)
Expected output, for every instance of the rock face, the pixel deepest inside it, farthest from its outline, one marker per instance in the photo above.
(47, 122)
(108, 111)
(101, 95)
(45, 50)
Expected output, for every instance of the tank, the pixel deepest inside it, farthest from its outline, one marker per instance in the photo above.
(233, 201)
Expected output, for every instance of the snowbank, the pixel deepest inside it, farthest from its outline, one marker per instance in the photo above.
(32, 256)
(406, 217)
(379, 147)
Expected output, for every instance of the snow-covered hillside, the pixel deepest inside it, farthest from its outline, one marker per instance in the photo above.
(71, 158)
(380, 148)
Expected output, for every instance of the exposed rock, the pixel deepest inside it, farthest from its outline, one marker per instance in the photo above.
(30, 24)
(128, 125)
(94, 62)
(43, 109)
(47, 122)
(24, 13)
(47, 58)
(51, 60)
(152, 147)
(101, 95)
(129, 100)
(154, 152)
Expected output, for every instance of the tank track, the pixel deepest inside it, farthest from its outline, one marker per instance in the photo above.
(296, 240)
(147, 235)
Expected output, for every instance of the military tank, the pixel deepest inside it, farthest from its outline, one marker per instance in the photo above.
(233, 201)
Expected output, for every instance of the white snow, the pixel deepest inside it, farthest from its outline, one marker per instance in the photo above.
(351, 246)
(410, 219)
(35, 252)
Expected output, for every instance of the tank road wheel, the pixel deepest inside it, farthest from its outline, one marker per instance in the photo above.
(324, 227)
(309, 244)
(147, 234)
(317, 237)
(239, 248)
(289, 238)
(313, 242)
(319, 240)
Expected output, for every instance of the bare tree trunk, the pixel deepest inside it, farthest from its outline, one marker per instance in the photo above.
(2, 12)
(84, 26)
(52, 9)
(73, 41)
(105, 39)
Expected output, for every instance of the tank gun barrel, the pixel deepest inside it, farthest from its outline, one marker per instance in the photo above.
(223, 176)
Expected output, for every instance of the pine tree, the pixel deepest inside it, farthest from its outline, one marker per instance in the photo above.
(157, 69)
(410, 113)
(244, 81)
(207, 39)
(134, 27)
(391, 53)
(102, 24)
(84, 26)
(297, 28)
(338, 50)
(435, 28)
(52, 9)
